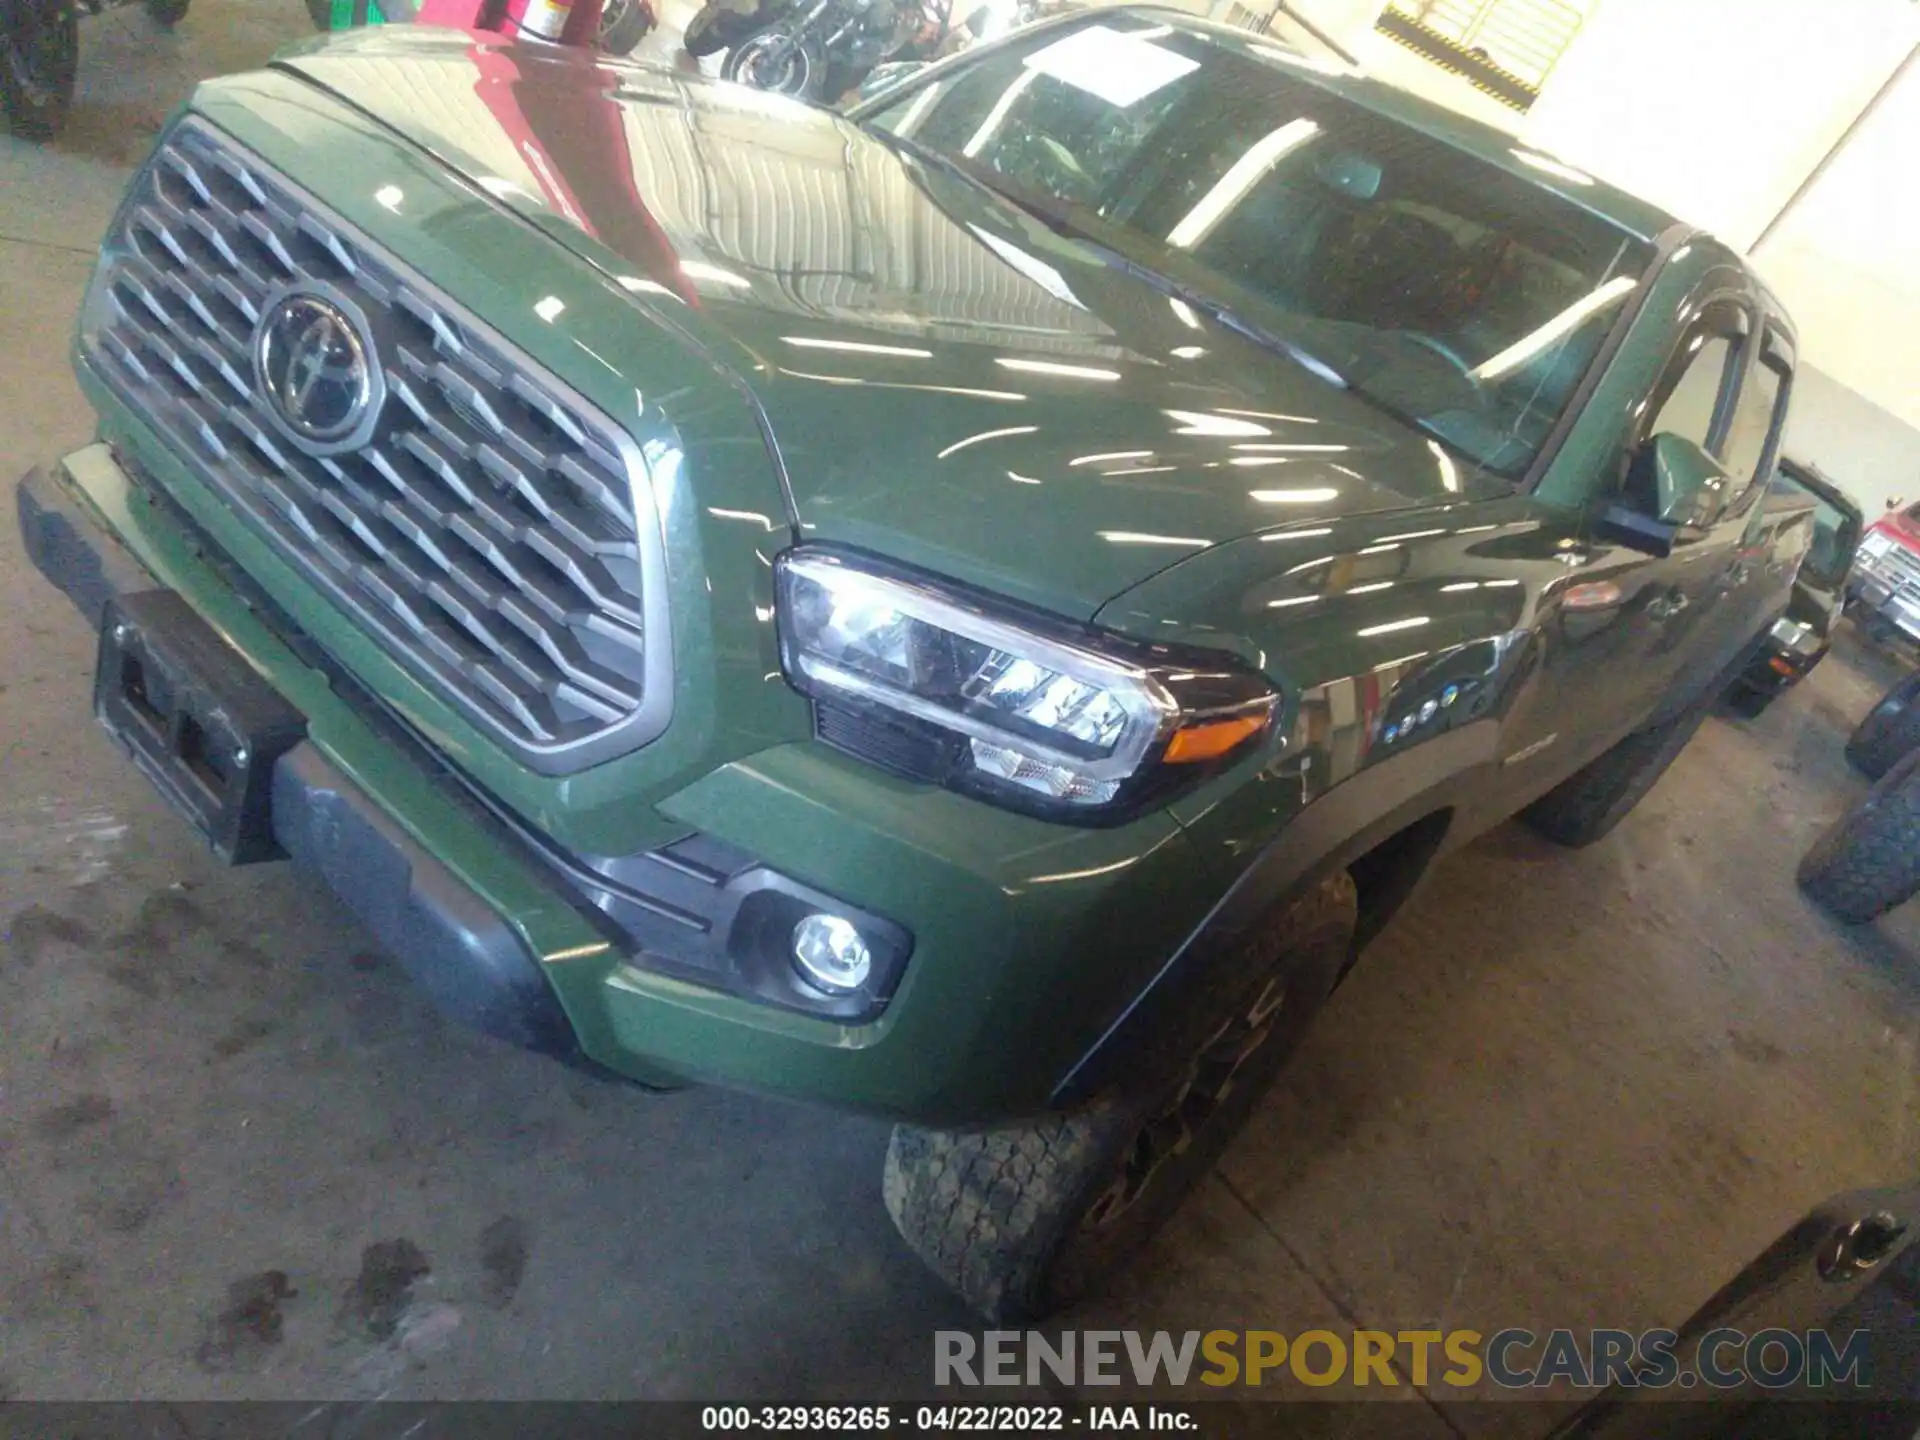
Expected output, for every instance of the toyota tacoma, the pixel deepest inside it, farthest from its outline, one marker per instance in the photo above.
(974, 610)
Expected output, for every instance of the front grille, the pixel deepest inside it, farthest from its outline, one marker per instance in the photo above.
(1900, 567)
(483, 528)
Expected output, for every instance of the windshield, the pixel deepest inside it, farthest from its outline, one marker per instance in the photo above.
(1465, 299)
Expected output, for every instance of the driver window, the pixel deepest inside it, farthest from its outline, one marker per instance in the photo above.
(1689, 408)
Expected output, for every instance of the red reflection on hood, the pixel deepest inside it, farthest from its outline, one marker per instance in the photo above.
(567, 126)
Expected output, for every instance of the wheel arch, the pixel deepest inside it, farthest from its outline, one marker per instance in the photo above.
(1390, 821)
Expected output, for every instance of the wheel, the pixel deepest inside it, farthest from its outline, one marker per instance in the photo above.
(711, 31)
(773, 61)
(1869, 859)
(39, 61)
(1585, 806)
(167, 13)
(1022, 1220)
(1890, 731)
(623, 25)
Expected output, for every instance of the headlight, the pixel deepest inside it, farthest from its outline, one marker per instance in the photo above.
(947, 686)
(1796, 635)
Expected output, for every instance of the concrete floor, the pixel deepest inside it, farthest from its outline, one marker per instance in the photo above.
(1565, 1089)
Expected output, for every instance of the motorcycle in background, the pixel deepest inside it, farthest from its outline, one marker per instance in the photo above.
(821, 49)
(40, 57)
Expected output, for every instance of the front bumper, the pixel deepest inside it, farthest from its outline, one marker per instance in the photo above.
(1026, 938)
(1876, 593)
(1776, 668)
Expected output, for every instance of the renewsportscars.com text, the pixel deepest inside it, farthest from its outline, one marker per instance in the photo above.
(1513, 1359)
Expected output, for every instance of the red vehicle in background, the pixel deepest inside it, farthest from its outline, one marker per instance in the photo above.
(1883, 592)
(611, 26)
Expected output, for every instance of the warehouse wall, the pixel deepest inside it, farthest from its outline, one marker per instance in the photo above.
(1720, 110)
(1868, 451)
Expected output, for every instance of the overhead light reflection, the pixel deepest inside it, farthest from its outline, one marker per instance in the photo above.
(1242, 176)
(700, 270)
(1187, 352)
(1306, 495)
(1020, 479)
(1291, 600)
(1298, 534)
(917, 110)
(959, 445)
(1459, 585)
(390, 196)
(1009, 395)
(997, 116)
(1111, 455)
(1551, 166)
(550, 308)
(1184, 311)
(1412, 622)
(646, 287)
(754, 515)
(1135, 537)
(1291, 448)
(1528, 346)
(1199, 422)
(1409, 535)
(1368, 589)
(1449, 473)
(858, 347)
(1269, 415)
(1051, 367)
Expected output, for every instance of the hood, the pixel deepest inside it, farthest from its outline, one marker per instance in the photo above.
(944, 379)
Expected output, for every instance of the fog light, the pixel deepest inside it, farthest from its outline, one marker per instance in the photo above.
(830, 953)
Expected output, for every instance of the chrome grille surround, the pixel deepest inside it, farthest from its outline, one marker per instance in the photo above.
(494, 533)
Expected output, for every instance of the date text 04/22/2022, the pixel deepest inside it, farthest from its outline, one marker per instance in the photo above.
(933, 1419)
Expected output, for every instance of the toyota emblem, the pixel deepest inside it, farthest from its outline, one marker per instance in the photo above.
(316, 369)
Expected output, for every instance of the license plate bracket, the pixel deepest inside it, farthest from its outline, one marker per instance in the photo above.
(196, 718)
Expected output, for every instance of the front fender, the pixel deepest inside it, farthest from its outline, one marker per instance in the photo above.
(1438, 777)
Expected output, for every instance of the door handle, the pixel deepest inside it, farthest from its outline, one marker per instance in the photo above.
(1666, 605)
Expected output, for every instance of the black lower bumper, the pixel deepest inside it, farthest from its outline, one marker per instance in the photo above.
(467, 959)
(1772, 671)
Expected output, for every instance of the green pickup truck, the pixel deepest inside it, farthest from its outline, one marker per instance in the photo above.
(974, 610)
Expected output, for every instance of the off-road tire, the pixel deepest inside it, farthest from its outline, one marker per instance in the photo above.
(1869, 859)
(37, 74)
(1025, 1219)
(167, 13)
(1889, 733)
(623, 25)
(1586, 806)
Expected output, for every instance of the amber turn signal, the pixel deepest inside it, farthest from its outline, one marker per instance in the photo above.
(1211, 739)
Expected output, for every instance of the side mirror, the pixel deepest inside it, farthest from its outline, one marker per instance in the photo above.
(1672, 486)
